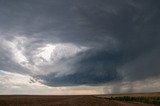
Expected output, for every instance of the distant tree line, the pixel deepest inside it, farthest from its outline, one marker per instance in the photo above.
(142, 99)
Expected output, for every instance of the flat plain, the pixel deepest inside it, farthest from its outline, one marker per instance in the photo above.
(68, 100)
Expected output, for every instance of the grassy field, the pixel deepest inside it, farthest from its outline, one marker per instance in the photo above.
(147, 98)
(142, 99)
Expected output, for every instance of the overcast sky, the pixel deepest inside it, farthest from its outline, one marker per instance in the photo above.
(79, 46)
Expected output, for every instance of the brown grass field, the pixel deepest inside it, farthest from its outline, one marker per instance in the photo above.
(74, 100)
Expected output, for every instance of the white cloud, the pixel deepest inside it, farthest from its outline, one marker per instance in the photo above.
(47, 57)
(46, 52)
(14, 79)
(52, 53)
(16, 48)
(44, 58)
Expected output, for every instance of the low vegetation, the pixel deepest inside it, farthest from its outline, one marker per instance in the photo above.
(142, 99)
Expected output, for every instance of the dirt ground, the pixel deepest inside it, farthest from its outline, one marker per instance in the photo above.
(60, 101)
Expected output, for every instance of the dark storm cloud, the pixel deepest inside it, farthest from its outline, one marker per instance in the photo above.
(91, 68)
(120, 32)
(144, 66)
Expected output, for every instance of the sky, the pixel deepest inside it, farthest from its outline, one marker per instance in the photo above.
(67, 47)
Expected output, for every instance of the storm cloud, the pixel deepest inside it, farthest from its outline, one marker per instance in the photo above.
(80, 42)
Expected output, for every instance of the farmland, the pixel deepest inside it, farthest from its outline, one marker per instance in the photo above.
(65, 100)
